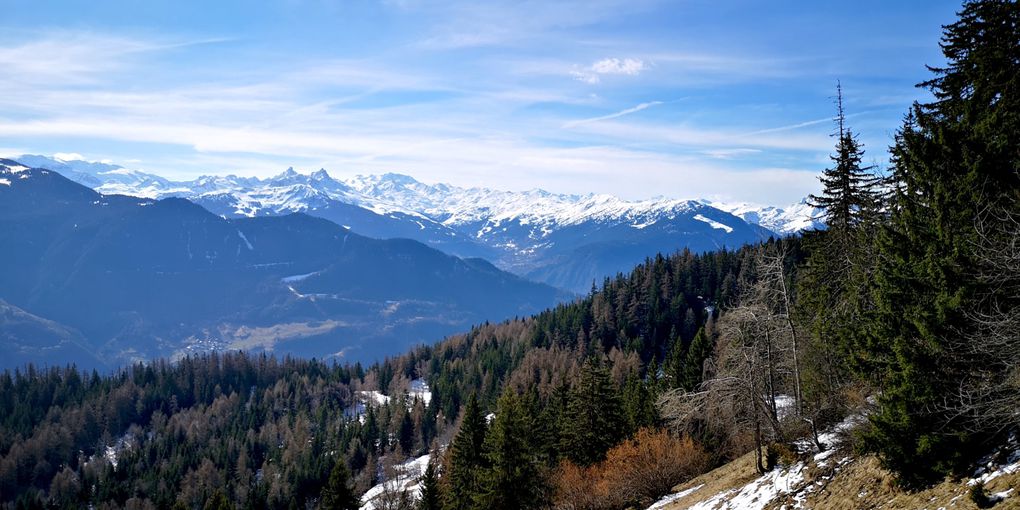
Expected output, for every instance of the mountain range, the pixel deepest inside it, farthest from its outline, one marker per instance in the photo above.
(105, 279)
(567, 241)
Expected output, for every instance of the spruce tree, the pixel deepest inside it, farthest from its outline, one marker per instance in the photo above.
(405, 435)
(512, 479)
(338, 494)
(953, 158)
(694, 361)
(466, 460)
(431, 499)
(849, 190)
(594, 421)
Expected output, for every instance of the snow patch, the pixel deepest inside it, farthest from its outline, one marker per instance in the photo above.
(298, 278)
(245, 239)
(759, 493)
(5, 182)
(990, 470)
(714, 224)
(374, 397)
(405, 479)
(673, 497)
(420, 389)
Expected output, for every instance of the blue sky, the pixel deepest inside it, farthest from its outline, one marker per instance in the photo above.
(721, 99)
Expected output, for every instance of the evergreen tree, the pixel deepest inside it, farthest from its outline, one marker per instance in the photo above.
(594, 421)
(405, 435)
(431, 499)
(512, 479)
(953, 158)
(674, 363)
(466, 459)
(338, 494)
(694, 361)
(639, 404)
(849, 190)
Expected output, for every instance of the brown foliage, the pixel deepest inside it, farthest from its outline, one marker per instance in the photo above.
(636, 472)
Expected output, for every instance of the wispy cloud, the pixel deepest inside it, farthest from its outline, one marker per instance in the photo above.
(75, 57)
(730, 153)
(499, 93)
(621, 113)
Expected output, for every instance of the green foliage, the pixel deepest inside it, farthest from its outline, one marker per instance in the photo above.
(952, 158)
(594, 421)
(511, 480)
(338, 494)
(431, 496)
(694, 361)
(218, 501)
(466, 459)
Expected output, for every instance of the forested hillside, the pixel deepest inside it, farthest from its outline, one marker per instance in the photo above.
(267, 433)
(903, 313)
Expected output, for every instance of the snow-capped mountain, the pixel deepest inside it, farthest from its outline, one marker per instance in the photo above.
(99, 279)
(785, 221)
(565, 240)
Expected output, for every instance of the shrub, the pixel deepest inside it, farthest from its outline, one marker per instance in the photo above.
(635, 472)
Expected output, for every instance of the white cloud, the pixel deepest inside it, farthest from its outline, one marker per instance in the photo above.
(628, 66)
(609, 66)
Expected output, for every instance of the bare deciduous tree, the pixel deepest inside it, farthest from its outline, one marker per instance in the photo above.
(988, 394)
(754, 359)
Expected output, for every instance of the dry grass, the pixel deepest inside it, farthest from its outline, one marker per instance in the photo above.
(858, 484)
(730, 476)
(864, 484)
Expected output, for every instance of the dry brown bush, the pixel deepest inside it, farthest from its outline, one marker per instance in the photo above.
(636, 472)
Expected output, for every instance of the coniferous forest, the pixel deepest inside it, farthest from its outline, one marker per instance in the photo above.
(906, 308)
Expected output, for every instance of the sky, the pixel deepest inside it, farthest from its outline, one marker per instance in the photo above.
(727, 100)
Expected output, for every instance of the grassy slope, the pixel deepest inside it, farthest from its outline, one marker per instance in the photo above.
(858, 483)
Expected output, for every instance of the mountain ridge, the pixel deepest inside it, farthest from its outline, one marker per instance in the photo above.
(533, 233)
(141, 278)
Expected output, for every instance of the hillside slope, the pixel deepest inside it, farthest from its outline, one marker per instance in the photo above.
(838, 479)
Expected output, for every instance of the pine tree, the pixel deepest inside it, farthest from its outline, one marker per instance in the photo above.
(511, 480)
(338, 494)
(466, 459)
(953, 158)
(431, 499)
(594, 421)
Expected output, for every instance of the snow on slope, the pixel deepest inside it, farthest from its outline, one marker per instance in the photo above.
(818, 480)
(781, 220)
(404, 478)
(482, 213)
(455, 206)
